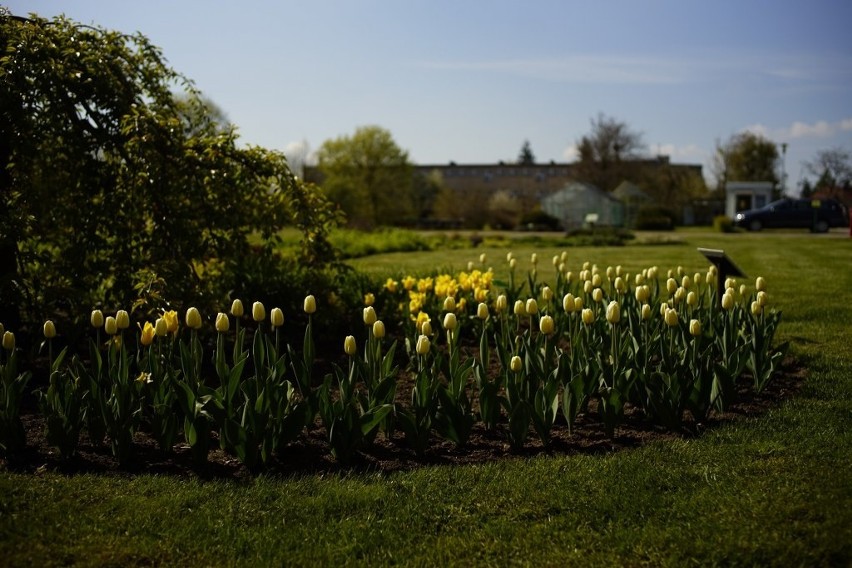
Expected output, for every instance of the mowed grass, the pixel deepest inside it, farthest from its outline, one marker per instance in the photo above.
(771, 490)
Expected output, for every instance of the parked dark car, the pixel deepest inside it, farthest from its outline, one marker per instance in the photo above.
(818, 215)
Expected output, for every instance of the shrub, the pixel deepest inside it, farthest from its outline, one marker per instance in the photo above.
(723, 224)
(655, 218)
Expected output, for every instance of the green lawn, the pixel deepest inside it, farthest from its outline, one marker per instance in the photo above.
(772, 490)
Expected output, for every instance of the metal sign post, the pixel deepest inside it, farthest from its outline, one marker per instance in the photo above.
(725, 267)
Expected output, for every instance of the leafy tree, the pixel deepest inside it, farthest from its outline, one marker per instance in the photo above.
(111, 184)
(424, 190)
(608, 154)
(368, 176)
(832, 168)
(526, 156)
(746, 157)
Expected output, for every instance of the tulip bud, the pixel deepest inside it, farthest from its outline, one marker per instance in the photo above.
(639, 279)
(531, 307)
(97, 318)
(546, 294)
(258, 312)
(727, 301)
(369, 299)
(161, 328)
(519, 309)
(730, 283)
(237, 308)
(597, 281)
(449, 304)
(516, 364)
(760, 284)
(276, 317)
(450, 321)
(711, 270)
(222, 322)
(423, 345)
(696, 278)
(646, 312)
(586, 265)
(193, 318)
(694, 328)
(663, 308)
(369, 315)
(686, 282)
(8, 341)
(501, 304)
(711, 280)
(756, 308)
(110, 326)
(513, 263)
(568, 303)
(680, 271)
(49, 330)
(762, 299)
(620, 286)
(426, 328)
(588, 316)
(679, 295)
(546, 325)
(310, 304)
(613, 312)
(578, 304)
(743, 290)
(483, 258)
(671, 285)
(691, 298)
(171, 318)
(148, 334)
(534, 259)
(597, 295)
(470, 266)
(482, 311)
(671, 318)
(642, 293)
(349, 345)
(122, 319)
(587, 286)
(509, 256)
(379, 329)
(610, 272)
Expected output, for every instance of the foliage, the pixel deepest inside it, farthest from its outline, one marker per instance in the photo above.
(655, 218)
(723, 224)
(607, 154)
(539, 221)
(107, 175)
(746, 157)
(833, 169)
(12, 385)
(526, 156)
(368, 176)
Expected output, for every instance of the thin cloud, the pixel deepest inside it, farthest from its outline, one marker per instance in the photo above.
(799, 129)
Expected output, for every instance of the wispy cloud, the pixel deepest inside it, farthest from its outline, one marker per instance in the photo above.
(799, 129)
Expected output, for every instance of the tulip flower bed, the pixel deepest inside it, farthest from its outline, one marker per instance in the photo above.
(518, 360)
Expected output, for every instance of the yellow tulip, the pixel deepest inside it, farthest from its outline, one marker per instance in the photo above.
(588, 316)
(258, 312)
(310, 304)
(671, 318)
(620, 286)
(426, 328)
(516, 364)
(597, 295)
(531, 307)
(568, 303)
(49, 330)
(171, 318)
(546, 294)
(148, 334)
(379, 329)
(694, 328)
(509, 256)
(671, 285)
(639, 279)
(501, 304)
(369, 315)
(482, 311)
(8, 341)
(743, 290)
(276, 316)
(756, 308)
(97, 318)
(193, 318)
(546, 325)
(482, 258)
(727, 301)
(597, 281)
(691, 298)
(450, 322)
(423, 345)
(122, 319)
(587, 286)
(161, 328)
(686, 282)
(646, 312)
(760, 284)
(513, 263)
(369, 299)
(762, 299)
(110, 325)
(534, 259)
(349, 345)
(237, 308)
(696, 278)
(222, 322)
(520, 308)
(613, 312)
(578, 304)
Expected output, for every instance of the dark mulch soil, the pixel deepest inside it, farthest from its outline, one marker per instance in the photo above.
(310, 454)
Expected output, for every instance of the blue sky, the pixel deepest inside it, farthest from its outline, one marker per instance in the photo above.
(470, 81)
